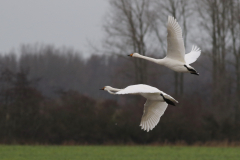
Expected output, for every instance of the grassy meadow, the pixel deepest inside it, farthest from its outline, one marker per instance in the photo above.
(14, 152)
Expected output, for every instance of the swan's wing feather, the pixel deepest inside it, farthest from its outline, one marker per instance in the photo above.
(193, 55)
(176, 49)
(139, 88)
(153, 110)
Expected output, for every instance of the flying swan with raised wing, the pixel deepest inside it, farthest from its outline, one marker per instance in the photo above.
(176, 59)
(155, 105)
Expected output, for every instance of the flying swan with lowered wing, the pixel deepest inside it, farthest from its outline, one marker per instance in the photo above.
(155, 105)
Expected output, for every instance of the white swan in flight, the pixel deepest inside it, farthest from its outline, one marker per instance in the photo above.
(155, 105)
(176, 59)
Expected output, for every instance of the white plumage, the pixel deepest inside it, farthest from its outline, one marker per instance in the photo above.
(176, 59)
(175, 48)
(193, 55)
(153, 110)
(139, 88)
(155, 105)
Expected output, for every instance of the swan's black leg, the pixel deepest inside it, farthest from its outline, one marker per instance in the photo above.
(192, 71)
(168, 101)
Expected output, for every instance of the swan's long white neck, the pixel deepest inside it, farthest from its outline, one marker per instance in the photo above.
(113, 90)
(158, 61)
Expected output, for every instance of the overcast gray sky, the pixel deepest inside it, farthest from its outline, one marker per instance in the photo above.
(67, 23)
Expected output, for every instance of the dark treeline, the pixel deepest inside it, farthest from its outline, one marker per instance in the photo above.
(51, 95)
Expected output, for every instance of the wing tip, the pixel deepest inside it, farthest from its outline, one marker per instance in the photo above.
(170, 17)
(195, 48)
(146, 126)
(173, 27)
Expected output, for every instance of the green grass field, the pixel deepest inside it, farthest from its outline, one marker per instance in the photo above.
(8, 152)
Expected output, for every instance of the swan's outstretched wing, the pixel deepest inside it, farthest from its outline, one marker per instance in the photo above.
(153, 110)
(139, 88)
(175, 42)
(193, 55)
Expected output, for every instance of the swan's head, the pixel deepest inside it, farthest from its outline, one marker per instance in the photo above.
(106, 88)
(109, 89)
(134, 54)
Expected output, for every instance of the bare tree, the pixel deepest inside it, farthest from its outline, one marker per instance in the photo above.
(234, 25)
(220, 20)
(128, 28)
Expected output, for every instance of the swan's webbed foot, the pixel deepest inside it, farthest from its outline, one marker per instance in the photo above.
(195, 73)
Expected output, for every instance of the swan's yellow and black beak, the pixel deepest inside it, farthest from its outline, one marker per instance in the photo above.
(102, 88)
(130, 55)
